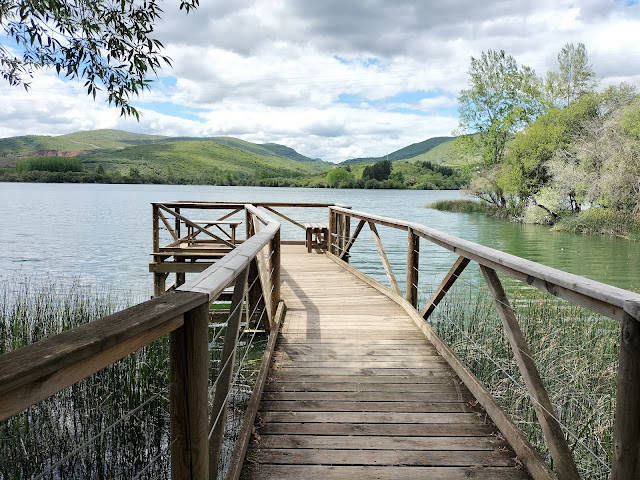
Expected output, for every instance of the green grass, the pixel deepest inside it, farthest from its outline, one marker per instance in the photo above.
(115, 423)
(601, 221)
(575, 350)
(465, 206)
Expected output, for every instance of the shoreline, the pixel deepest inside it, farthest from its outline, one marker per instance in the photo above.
(593, 221)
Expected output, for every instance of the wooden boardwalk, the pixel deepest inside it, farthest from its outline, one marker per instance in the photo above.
(355, 391)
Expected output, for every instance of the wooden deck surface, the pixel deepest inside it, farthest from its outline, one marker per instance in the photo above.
(356, 392)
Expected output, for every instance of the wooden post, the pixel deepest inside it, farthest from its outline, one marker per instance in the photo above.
(565, 467)
(275, 276)
(332, 227)
(248, 224)
(254, 289)
(155, 228)
(626, 437)
(189, 396)
(225, 376)
(346, 236)
(159, 283)
(413, 256)
(180, 276)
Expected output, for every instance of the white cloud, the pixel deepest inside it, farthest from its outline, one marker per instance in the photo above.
(276, 70)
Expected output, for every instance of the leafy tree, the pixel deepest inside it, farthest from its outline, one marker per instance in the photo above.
(99, 169)
(107, 44)
(340, 178)
(502, 98)
(574, 77)
(525, 168)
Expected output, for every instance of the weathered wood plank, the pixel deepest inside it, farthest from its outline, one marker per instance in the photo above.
(332, 472)
(384, 457)
(359, 406)
(367, 442)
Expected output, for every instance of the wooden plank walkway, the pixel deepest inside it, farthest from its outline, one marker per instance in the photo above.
(355, 391)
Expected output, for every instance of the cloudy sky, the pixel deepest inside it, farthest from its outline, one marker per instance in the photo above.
(332, 78)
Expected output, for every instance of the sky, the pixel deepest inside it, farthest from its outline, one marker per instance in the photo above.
(333, 79)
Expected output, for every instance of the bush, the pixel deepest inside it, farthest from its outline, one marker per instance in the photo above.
(601, 221)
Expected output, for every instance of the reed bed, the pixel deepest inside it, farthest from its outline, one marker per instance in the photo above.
(115, 423)
(575, 350)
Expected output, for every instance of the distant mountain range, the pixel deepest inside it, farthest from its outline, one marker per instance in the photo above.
(405, 153)
(194, 157)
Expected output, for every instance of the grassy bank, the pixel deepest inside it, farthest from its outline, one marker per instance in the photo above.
(593, 221)
(602, 222)
(467, 206)
(575, 350)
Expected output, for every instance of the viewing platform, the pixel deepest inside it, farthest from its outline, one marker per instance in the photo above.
(347, 379)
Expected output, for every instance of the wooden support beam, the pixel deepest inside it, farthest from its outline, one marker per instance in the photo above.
(413, 257)
(195, 226)
(383, 257)
(189, 396)
(352, 240)
(179, 267)
(166, 224)
(282, 215)
(225, 377)
(448, 280)
(626, 435)
(230, 214)
(565, 466)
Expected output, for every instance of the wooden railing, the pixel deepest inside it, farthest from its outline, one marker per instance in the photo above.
(37, 371)
(607, 300)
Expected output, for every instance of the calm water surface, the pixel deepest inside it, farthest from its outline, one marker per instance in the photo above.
(102, 233)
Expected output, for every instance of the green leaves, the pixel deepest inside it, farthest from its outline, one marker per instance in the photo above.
(109, 44)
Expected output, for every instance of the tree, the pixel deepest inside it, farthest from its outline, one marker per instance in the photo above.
(379, 171)
(107, 44)
(340, 178)
(574, 77)
(502, 98)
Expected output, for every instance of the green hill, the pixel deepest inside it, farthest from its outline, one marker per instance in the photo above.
(73, 142)
(404, 153)
(192, 158)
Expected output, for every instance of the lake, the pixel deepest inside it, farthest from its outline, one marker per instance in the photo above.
(102, 233)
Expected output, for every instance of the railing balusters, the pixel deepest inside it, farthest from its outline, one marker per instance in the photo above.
(565, 467)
